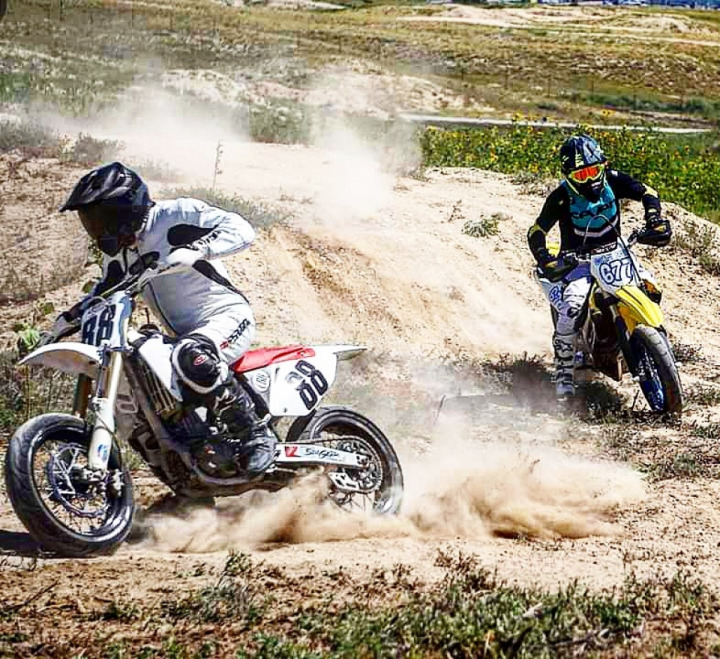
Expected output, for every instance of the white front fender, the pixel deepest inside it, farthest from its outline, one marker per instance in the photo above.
(69, 357)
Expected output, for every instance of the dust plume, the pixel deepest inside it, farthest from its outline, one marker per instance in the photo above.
(468, 489)
(458, 488)
(157, 129)
(365, 146)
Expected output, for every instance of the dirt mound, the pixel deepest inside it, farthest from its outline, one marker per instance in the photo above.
(43, 250)
(370, 256)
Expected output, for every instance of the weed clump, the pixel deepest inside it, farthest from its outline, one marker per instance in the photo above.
(29, 138)
(89, 151)
(257, 213)
(484, 226)
(231, 597)
(700, 241)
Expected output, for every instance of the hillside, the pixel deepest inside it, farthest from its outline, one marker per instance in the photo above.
(362, 255)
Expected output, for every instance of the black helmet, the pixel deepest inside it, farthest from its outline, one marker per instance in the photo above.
(112, 202)
(583, 164)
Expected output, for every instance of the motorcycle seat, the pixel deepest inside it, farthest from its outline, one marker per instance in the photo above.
(253, 359)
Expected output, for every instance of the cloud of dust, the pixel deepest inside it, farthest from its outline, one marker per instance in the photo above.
(364, 161)
(348, 171)
(457, 488)
(356, 184)
(160, 129)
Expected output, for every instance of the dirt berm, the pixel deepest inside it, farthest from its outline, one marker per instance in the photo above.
(379, 259)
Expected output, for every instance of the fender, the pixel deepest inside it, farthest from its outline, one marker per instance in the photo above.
(637, 308)
(69, 357)
(346, 351)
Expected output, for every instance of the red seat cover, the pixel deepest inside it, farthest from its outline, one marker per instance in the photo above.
(253, 359)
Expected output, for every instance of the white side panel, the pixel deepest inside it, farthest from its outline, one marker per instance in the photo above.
(295, 388)
(68, 357)
(156, 353)
(315, 454)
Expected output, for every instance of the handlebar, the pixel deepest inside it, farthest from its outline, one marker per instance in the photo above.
(565, 265)
(141, 272)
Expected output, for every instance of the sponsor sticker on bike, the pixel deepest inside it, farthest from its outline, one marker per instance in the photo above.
(310, 452)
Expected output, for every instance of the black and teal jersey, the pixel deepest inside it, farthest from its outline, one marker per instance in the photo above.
(585, 223)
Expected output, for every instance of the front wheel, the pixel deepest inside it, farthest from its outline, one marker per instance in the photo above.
(378, 487)
(657, 370)
(68, 509)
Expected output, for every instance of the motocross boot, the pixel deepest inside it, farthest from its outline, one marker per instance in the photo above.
(235, 408)
(564, 366)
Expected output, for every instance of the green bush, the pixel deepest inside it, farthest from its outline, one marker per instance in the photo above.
(257, 213)
(90, 151)
(684, 170)
(482, 228)
(279, 122)
(29, 137)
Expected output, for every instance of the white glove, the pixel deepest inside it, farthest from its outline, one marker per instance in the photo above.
(182, 258)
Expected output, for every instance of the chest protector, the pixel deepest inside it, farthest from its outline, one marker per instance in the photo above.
(593, 219)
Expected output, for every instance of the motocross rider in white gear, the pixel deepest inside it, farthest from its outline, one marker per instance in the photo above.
(195, 300)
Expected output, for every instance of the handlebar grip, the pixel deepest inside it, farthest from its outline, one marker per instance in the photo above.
(558, 272)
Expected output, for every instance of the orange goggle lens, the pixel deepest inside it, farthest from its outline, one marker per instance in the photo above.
(589, 173)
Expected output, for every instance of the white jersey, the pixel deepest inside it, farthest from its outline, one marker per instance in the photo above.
(188, 299)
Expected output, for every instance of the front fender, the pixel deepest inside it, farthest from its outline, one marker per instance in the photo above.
(68, 357)
(636, 307)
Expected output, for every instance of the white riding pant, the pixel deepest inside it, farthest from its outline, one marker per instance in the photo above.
(232, 331)
(567, 297)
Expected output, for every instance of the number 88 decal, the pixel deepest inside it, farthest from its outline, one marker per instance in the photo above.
(313, 385)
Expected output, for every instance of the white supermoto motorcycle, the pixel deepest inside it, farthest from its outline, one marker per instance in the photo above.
(64, 472)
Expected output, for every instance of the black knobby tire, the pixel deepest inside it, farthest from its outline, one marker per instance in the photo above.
(341, 421)
(44, 526)
(651, 344)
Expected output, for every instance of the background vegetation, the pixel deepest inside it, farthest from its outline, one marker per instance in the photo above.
(682, 169)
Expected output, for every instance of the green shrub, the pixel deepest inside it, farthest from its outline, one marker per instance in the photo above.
(30, 137)
(484, 226)
(90, 151)
(231, 597)
(279, 122)
(257, 213)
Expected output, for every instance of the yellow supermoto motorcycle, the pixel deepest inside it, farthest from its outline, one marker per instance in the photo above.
(621, 327)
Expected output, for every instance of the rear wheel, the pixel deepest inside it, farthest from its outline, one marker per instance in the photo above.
(66, 508)
(657, 370)
(378, 486)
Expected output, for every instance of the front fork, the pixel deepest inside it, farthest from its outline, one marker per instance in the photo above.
(623, 335)
(103, 405)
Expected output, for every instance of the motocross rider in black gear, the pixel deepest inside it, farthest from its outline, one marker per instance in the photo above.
(196, 301)
(586, 207)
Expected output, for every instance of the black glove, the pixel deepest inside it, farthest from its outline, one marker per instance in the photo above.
(555, 268)
(657, 231)
(68, 322)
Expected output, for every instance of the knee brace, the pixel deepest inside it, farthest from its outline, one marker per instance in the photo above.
(198, 365)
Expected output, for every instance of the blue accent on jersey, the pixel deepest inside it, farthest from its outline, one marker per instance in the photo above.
(592, 217)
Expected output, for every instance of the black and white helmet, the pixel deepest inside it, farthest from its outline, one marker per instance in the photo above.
(112, 202)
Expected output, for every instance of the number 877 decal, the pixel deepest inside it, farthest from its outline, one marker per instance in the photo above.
(311, 383)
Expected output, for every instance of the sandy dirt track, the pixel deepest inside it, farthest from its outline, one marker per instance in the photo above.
(373, 257)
